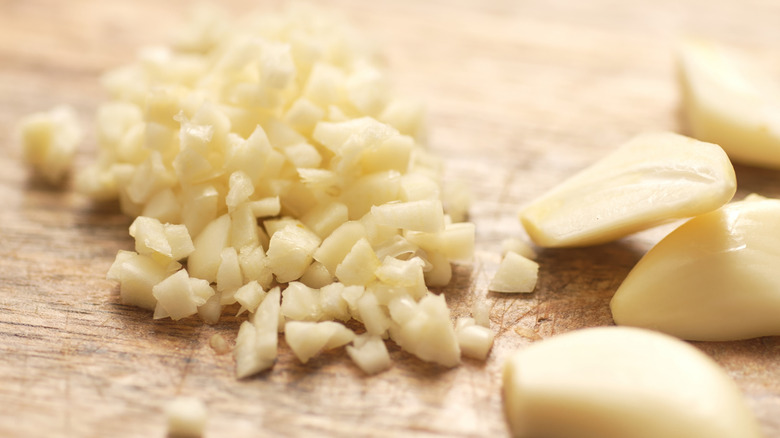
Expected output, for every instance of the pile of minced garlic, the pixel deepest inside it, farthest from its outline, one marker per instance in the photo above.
(273, 174)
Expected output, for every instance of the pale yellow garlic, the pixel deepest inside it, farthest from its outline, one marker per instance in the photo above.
(374, 316)
(369, 353)
(165, 241)
(428, 332)
(229, 277)
(256, 343)
(728, 101)
(455, 241)
(326, 218)
(439, 272)
(219, 344)
(49, 141)
(290, 252)
(332, 303)
(259, 122)
(163, 206)
(266, 207)
(186, 417)
(204, 261)
(359, 265)
(306, 339)
(370, 190)
(211, 310)
(137, 275)
(392, 154)
(176, 297)
(244, 232)
(253, 264)
(475, 341)
(249, 296)
(515, 274)
(614, 382)
(712, 279)
(651, 179)
(518, 246)
(300, 303)
(316, 276)
(338, 243)
(424, 215)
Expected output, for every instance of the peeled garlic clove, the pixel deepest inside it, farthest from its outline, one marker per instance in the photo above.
(728, 102)
(713, 278)
(653, 178)
(616, 382)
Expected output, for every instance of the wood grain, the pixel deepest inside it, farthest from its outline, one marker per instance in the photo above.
(520, 94)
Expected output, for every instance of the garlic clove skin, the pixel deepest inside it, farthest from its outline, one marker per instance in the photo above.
(727, 101)
(617, 382)
(651, 179)
(712, 279)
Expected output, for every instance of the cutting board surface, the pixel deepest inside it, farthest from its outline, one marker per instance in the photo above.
(520, 94)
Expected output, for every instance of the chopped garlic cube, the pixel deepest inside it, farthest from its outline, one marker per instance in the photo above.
(425, 215)
(369, 353)
(316, 276)
(175, 297)
(229, 277)
(374, 316)
(517, 246)
(254, 267)
(138, 274)
(429, 334)
(204, 261)
(474, 340)
(218, 343)
(359, 264)
(249, 296)
(256, 343)
(338, 244)
(290, 252)
(306, 339)
(186, 416)
(301, 303)
(455, 241)
(439, 272)
(332, 303)
(49, 141)
(515, 274)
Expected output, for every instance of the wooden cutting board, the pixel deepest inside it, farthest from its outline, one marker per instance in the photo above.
(520, 95)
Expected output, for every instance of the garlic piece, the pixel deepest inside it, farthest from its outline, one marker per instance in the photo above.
(614, 382)
(257, 340)
(427, 332)
(515, 274)
(653, 178)
(727, 101)
(186, 417)
(306, 338)
(712, 279)
(49, 141)
(475, 340)
(369, 353)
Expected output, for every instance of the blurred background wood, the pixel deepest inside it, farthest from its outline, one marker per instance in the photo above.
(520, 94)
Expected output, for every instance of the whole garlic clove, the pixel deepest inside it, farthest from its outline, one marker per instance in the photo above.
(653, 178)
(712, 279)
(616, 382)
(729, 102)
